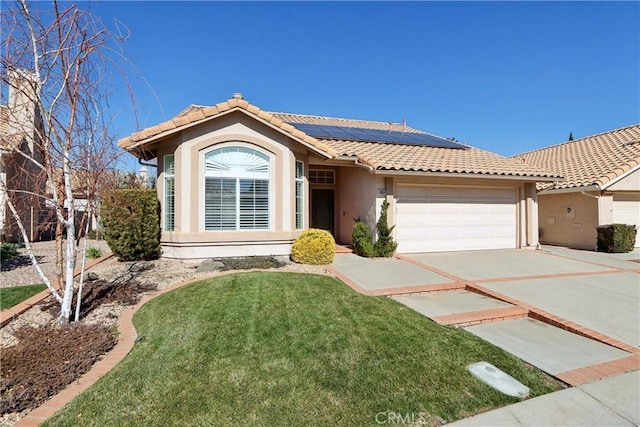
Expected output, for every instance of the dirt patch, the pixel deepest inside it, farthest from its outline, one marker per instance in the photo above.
(46, 360)
(99, 292)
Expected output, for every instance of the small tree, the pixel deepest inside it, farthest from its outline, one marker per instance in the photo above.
(131, 223)
(57, 63)
(385, 245)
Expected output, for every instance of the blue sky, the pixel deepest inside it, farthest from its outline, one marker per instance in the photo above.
(507, 77)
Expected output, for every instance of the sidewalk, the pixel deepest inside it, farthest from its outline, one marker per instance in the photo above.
(614, 401)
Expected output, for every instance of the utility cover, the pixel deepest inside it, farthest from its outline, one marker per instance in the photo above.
(501, 381)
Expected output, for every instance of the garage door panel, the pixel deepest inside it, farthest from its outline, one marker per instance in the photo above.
(450, 219)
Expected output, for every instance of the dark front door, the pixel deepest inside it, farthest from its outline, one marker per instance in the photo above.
(322, 209)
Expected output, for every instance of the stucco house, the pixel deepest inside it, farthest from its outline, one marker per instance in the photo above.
(236, 180)
(601, 186)
(19, 179)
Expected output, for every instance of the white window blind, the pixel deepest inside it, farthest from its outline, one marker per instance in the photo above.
(169, 193)
(299, 195)
(236, 189)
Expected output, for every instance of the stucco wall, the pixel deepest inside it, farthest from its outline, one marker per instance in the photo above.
(629, 183)
(356, 198)
(189, 239)
(568, 219)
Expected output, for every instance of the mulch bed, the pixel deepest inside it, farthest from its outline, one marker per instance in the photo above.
(47, 359)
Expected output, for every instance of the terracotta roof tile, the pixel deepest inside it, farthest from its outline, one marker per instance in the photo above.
(402, 157)
(418, 158)
(380, 156)
(592, 160)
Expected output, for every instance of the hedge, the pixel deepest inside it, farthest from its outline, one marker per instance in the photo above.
(131, 223)
(616, 238)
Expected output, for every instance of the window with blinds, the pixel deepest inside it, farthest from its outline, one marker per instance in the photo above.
(169, 193)
(236, 189)
(299, 195)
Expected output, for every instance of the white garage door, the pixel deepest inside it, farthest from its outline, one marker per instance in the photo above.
(626, 210)
(432, 219)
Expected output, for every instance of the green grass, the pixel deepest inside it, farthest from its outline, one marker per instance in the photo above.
(15, 295)
(287, 349)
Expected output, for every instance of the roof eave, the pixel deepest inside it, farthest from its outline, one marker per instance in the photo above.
(621, 177)
(575, 189)
(163, 135)
(526, 178)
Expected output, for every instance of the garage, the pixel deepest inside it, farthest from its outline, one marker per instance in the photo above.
(434, 219)
(626, 210)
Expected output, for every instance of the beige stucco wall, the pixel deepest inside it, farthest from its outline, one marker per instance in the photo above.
(629, 183)
(189, 239)
(356, 198)
(358, 192)
(570, 219)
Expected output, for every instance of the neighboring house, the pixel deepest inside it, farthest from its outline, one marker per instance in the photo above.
(236, 180)
(19, 121)
(602, 186)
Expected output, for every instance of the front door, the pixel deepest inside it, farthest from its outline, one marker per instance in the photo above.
(322, 209)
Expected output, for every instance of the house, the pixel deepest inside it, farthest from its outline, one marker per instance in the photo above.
(19, 178)
(601, 186)
(236, 180)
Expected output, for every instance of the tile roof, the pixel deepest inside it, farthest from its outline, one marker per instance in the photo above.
(195, 114)
(593, 160)
(379, 156)
(414, 158)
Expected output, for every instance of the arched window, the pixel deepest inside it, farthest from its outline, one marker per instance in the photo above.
(236, 189)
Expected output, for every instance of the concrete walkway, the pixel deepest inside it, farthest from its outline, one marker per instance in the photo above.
(573, 314)
(613, 401)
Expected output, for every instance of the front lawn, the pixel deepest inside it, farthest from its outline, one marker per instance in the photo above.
(290, 349)
(16, 294)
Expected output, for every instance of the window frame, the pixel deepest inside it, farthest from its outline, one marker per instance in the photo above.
(299, 190)
(168, 177)
(203, 175)
(325, 173)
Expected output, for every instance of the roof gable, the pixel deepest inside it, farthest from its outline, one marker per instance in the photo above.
(195, 115)
(596, 160)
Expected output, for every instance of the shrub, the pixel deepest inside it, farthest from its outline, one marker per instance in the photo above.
(131, 224)
(385, 246)
(94, 253)
(8, 250)
(616, 238)
(313, 246)
(361, 239)
(249, 262)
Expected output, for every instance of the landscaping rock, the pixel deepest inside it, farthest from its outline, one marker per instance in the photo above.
(209, 265)
(91, 276)
(138, 267)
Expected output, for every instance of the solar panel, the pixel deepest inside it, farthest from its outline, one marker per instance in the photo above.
(374, 135)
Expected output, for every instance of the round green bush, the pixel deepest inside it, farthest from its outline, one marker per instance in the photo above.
(313, 246)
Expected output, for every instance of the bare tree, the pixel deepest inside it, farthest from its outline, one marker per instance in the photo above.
(57, 64)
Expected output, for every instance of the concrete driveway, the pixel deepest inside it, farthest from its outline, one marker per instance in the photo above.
(559, 309)
(573, 314)
(388, 274)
